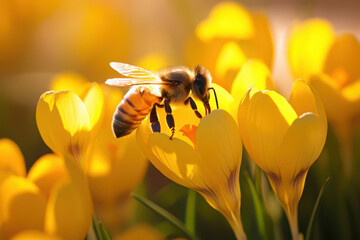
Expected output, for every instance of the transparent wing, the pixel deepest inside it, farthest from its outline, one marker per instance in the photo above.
(122, 82)
(133, 71)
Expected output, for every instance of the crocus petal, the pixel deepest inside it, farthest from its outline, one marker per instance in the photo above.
(254, 72)
(22, 206)
(303, 99)
(34, 234)
(226, 20)
(68, 214)
(11, 158)
(301, 145)
(344, 54)
(268, 119)
(93, 99)
(220, 148)
(175, 159)
(69, 210)
(47, 171)
(63, 122)
(308, 47)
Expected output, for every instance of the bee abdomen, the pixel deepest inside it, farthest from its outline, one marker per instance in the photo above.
(129, 115)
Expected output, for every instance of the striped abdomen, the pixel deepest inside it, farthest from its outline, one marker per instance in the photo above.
(132, 110)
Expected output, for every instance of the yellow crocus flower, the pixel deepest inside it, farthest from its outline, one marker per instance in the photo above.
(227, 38)
(284, 138)
(206, 158)
(329, 62)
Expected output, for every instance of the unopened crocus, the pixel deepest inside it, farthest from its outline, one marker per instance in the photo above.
(66, 123)
(206, 158)
(284, 138)
(329, 62)
(227, 38)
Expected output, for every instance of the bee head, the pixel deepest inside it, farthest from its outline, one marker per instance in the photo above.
(201, 83)
(202, 80)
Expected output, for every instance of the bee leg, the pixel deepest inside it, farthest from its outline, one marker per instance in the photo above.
(193, 106)
(155, 124)
(169, 118)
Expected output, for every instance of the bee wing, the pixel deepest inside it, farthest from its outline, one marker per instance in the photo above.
(133, 71)
(122, 82)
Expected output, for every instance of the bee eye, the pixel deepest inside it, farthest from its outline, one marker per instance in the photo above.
(200, 86)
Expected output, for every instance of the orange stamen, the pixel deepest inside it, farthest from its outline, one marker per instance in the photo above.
(190, 132)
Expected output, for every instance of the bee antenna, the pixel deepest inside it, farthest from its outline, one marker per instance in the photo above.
(217, 104)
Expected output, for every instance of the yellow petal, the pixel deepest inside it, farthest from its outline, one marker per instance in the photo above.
(303, 99)
(11, 158)
(33, 234)
(142, 231)
(220, 148)
(22, 206)
(47, 171)
(254, 72)
(301, 146)
(68, 81)
(269, 117)
(93, 99)
(225, 100)
(229, 61)
(226, 20)
(68, 213)
(63, 122)
(344, 54)
(309, 44)
(176, 160)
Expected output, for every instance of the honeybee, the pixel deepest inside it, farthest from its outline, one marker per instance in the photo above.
(152, 90)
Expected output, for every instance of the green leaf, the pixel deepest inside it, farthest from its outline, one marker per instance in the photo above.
(259, 209)
(96, 228)
(104, 232)
(162, 212)
(315, 211)
(190, 211)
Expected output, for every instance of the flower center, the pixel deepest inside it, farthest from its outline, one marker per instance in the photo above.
(340, 76)
(190, 132)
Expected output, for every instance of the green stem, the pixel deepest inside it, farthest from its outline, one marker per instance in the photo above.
(190, 214)
(97, 229)
(292, 216)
